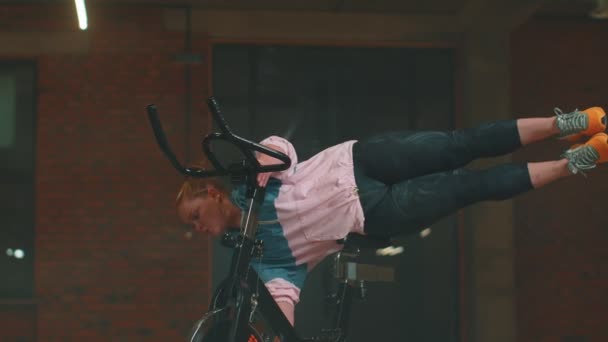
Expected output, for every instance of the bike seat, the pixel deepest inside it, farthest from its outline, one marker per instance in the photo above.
(358, 241)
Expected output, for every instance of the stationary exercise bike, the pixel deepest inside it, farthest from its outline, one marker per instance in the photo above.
(242, 309)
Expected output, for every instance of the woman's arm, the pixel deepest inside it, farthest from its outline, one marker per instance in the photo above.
(265, 159)
(286, 295)
(288, 310)
(281, 145)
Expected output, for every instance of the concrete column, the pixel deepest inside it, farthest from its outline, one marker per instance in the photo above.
(490, 294)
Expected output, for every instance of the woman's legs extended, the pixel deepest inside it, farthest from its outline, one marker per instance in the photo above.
(544, 173)
(536, 129)
(395, 157)
(414, 204)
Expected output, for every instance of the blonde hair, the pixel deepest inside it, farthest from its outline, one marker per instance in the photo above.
(193, 187)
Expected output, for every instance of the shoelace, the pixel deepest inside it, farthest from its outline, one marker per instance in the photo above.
(570, 123)
(581, 158)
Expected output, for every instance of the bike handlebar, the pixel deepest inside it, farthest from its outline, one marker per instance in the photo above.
(247, 148)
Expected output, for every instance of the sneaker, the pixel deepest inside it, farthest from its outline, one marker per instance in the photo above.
(576, 124)
(586, 156)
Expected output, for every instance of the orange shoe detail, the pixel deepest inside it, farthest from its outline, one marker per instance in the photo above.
(600, 143)
(596, 124)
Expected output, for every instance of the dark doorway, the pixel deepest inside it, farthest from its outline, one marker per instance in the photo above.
(319, 96)
(17, 178)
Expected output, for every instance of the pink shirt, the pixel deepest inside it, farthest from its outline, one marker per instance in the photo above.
(317, 204)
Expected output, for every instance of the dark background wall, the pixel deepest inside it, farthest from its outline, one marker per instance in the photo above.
(310, 95)
(112, 264)
(560, 231)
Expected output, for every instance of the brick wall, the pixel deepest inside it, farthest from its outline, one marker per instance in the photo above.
(18, 319)
(561, 231)
(112, 263)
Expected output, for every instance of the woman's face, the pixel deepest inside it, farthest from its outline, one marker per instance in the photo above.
(205, 214)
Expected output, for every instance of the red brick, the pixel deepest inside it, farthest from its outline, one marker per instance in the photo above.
(560, 236)
(111, 260)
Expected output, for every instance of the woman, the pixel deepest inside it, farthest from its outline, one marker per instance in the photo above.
(397, 183)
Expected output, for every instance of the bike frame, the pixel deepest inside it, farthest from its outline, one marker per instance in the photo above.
(242, 282)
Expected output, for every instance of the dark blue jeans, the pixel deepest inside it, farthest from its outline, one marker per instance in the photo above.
(409, 180)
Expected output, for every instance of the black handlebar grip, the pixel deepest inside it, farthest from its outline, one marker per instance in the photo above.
(161, 138)
(214, 107)
(247, 148)
(156, 126)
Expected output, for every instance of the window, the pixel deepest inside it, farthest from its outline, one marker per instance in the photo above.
(8, 93)
(319, 96)
(17, 117)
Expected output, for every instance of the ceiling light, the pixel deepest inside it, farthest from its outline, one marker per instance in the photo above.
(81, 10)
